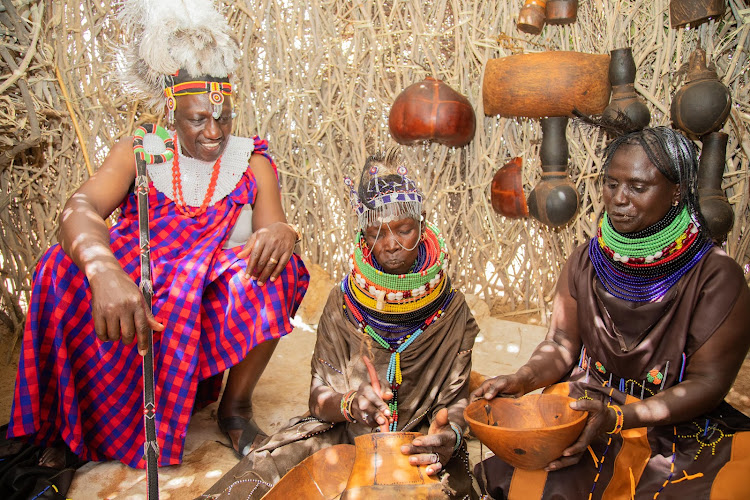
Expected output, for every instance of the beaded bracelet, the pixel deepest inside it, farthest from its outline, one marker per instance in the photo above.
(346, 406)
(620, 419)
(459, 436)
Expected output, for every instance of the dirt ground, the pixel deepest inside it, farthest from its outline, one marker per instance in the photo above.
(281, 394)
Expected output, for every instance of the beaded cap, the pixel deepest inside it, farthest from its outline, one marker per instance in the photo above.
(385, 192)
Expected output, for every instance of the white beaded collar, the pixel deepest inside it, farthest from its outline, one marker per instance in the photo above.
(196, 174)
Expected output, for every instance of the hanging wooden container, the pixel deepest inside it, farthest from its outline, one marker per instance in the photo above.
(432, 111)
(693, 12)
(381, 471)
(624, 99)
(703, 103)
(531, 17)
(562, 11)
(506, 192)
(554, 201)
(714, 204)
(546, 84)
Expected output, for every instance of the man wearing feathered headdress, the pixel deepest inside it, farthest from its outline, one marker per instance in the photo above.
(225, 276)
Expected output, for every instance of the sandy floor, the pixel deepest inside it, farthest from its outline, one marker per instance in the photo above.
(281, 394)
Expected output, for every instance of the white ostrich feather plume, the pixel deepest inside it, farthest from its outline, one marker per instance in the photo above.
(168, 35)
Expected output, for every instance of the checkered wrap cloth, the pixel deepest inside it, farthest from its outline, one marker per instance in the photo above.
(88, 392)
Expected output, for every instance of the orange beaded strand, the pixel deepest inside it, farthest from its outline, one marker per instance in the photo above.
(177, 186)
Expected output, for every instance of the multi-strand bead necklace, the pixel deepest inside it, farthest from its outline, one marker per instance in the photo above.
(179, 200)
(643, 266)
(401, 306)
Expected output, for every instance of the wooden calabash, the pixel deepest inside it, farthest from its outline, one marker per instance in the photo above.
(321, 476)
(714, 204)
(562, 11)
(506, 193)
(624, 99)
(703, 103)
(546, 84)
(528, 432)
(432, 111)
(554, 201)
(694, 12)
(531, 16)
(381, 471)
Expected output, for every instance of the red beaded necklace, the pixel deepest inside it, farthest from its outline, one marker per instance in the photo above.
(177, 186)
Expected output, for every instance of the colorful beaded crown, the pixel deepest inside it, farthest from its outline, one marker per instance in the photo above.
(385, 194)
(183, 84)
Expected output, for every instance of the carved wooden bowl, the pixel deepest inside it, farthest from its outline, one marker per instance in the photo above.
(528, 432)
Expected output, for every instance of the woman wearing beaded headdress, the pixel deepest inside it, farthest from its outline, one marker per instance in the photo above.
(396, 307)
(648, 332)
(225, 276)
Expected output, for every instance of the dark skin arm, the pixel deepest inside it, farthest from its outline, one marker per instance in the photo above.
(272, 239)
(117, 305)
(708, 378)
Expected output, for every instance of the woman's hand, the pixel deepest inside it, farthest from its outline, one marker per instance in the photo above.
(369, 406)
(601, 420)
(119, 310)
(268, 250)
(504, 385)
(434, 449)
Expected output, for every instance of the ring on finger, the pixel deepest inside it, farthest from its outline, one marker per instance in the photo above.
(272, 261)
(434, 458)
(365, 416)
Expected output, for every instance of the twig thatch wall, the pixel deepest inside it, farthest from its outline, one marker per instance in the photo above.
(317, 80)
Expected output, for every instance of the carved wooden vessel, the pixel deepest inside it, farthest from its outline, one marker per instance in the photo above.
(528, 432)
(381, 471)
(624, 100)
(693, 12)
(562, 11)
(506, 193)
(703, 103)
(546, 84)
(432, 111)
(531, 17)
(713, 202)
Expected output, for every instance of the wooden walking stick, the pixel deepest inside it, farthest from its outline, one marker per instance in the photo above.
(142, 158)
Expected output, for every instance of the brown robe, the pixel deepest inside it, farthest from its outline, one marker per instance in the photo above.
(625, 342)
(435, 370)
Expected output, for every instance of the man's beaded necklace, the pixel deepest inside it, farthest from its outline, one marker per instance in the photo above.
(179, 200)
(643, 266)
(378, 303)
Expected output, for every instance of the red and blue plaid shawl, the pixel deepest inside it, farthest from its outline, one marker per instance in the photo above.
(88, 392)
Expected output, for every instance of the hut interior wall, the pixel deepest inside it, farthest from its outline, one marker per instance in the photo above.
(317, 80)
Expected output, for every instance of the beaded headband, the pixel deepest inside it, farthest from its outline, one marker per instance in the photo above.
(384, 195)
(216, 88)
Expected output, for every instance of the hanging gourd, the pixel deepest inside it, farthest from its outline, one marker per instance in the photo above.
(703, 103)
(432, 111)
(562, 11)
(693, 12)
(546, 84)
(624, 101)
(554, 201)
(506, 193)
(714, 205)
(531, 16)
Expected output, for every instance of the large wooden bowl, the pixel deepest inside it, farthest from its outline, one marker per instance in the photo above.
(528, 432)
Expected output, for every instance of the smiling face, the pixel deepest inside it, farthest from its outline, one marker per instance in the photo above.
(636, 195)
(390, 242)
(200, 135)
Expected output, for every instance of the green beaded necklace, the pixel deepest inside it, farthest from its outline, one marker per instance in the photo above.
(648, 245)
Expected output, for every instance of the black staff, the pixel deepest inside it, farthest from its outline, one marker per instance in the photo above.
(142, 158)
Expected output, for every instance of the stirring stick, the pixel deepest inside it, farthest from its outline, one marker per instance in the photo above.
(375, 382)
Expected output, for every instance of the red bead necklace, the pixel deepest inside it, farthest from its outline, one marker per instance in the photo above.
(179, 200)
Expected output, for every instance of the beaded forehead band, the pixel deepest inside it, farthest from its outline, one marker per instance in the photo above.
(384, 196)
(216, 91)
